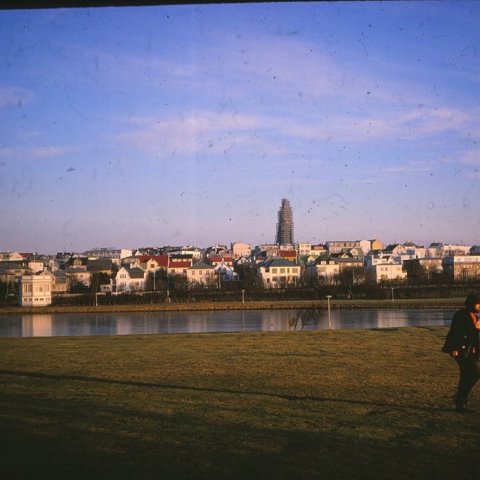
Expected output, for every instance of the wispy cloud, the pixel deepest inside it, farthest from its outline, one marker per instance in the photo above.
(218, 133)
(36, 153)
(410, 167)
(311, 95)
(202, 132)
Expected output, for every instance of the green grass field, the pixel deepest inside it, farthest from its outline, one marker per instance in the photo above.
(300, 405)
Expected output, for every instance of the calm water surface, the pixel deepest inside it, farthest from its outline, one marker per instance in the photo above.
(77, 324)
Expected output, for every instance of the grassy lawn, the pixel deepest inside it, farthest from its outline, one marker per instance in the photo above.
(299, 405)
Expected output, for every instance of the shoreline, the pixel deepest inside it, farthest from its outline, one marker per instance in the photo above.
(352, 304)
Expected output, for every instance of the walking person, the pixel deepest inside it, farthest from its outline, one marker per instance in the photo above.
(462, 343)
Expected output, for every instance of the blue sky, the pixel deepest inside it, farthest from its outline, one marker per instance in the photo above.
(146, 126)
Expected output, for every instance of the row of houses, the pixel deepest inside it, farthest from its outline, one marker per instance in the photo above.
(275, 266)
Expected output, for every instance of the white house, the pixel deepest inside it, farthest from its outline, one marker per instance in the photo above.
(318, 250)
(325, 269)
(11, 257)
(35, 290)
(368, 245)
(406, 251)
(385, 272)
(278, 273)
(130, 280)
(455, 249)
(225, 272)
(240, 249)
(60, 282)
(201, 273)
(339, 246)
(79, 276)
(462, 267)
(304, 249)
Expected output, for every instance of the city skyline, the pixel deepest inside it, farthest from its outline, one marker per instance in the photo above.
(185, 124)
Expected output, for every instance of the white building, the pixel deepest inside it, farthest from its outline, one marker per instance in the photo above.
(304, 249)
(438, 249)
(78, 276)
(339, 246)
(240, 249)
(279, 273)
(11, 257)
(325, 269)
(130, 280)
(407, 251)
(318, 250)
(462, 267)
(368, 245)
(201, 273)
(187, 251)
(385, 272)
(35, 290)
(225, 272)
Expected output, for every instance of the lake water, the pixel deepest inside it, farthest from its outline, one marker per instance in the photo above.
(77, 324)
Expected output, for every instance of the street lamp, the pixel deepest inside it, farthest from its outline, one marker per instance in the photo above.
(393, 298)
(328, 308)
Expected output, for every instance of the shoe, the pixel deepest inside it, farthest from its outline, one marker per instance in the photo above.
(463, 409)
(455, 401)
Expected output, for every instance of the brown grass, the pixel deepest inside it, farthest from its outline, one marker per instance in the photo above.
(289, 405)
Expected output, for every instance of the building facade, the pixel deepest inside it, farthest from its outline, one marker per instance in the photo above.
(35, 290)
(279, 273)
(285, 224)
(461, 268)
(201, 273)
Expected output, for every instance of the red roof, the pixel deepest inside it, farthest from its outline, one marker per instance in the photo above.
(180, 264)
(288, 254)
(220, 258)
(162, 260)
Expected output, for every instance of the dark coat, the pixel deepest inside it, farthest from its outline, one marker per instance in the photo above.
(462, 335)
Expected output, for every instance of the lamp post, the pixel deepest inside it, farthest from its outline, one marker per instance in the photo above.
(328, 308)
(393, 297)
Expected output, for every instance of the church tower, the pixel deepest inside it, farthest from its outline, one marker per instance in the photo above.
(285, 224)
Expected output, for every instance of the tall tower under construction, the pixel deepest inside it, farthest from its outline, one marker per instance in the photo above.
(285, 224)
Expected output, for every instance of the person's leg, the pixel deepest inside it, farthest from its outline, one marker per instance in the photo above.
(469, 375)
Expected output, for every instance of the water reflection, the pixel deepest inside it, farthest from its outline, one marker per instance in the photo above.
(37, 325)
(308, 318)
(43, 325)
